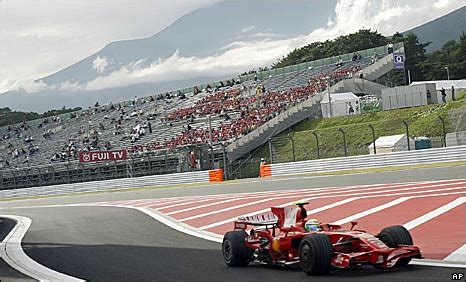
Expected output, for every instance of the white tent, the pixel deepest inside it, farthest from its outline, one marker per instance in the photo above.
(393, 143)
(343, 104)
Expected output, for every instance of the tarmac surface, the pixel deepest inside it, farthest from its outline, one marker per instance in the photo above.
(116, 244)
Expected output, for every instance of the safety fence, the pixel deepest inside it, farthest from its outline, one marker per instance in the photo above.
(448, 154)
(124, 183)
(354, 136)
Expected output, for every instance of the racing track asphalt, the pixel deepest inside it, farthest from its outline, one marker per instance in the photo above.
(115, 244)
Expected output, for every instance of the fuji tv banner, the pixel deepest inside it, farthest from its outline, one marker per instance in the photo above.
(399, 60)
(101, 156)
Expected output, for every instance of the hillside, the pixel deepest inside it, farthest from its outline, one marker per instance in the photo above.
(441, 30)
(423, 121)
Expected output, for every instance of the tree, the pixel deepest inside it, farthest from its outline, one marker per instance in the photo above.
(363, 39)
(415, 53)
(451, 55)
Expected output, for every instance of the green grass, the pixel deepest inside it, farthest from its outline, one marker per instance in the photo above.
(422, 121)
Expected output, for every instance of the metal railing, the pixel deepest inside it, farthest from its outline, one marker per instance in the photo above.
(105, 185)
(449, 154)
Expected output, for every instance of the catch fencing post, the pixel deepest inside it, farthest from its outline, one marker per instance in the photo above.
(225, 174)
(344, 141)
(270, 150)
(292, 147)
(373, 138)
(442, 120)
(317, 143)
(407, 134)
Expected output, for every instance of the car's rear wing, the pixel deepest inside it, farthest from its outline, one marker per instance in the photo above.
(269, 220)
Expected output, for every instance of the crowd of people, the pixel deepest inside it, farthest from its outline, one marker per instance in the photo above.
(253, 111)
(236, 111)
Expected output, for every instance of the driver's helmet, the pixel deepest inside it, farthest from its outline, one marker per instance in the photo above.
(312, 225)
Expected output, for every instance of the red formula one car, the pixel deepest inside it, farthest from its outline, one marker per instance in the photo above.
(286, 237)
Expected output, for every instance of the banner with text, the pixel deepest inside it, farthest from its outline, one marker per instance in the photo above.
(101, 156)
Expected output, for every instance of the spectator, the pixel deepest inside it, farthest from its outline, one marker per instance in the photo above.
(390, 47)
(452, 93)
(444, 95)
(339, 62)
(150, 126)
(355, 57)
(350, 110)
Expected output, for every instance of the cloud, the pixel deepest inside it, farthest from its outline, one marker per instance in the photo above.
(99, 64)
(441, 4)
(176, 67)
(385, 16)
(38, 38)
(248, 29)
(29, 86)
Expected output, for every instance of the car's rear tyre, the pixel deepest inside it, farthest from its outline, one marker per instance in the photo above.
(234, 250)
(396, 235)
(315, 254)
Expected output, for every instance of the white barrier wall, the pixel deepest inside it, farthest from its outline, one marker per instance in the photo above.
(447, 154)
(94, 186)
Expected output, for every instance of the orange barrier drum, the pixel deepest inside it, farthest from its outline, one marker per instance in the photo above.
(265, 170)
(216, 175)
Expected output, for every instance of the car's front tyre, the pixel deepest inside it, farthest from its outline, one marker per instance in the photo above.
(396, 235)
(315, 254)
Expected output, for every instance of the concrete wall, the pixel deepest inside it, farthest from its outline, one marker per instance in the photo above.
(409, 96)
(456, 138)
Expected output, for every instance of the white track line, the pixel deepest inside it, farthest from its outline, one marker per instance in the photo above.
(181, 227)
(312, 193)
(238, 199)
(231, 198)
(321, 197)
(428, 216)
(458, 255)
(13, 254)
(372, 210)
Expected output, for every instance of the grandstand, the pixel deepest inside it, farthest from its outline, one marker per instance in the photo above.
(160, 130)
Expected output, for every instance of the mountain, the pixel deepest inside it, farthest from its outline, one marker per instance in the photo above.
(441, 30)
(199, 35)
(205, 32)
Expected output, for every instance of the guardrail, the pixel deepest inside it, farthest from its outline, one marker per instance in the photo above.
(137, 182)
(447, 154)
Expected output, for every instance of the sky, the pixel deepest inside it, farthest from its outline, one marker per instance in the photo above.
(39, 37)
